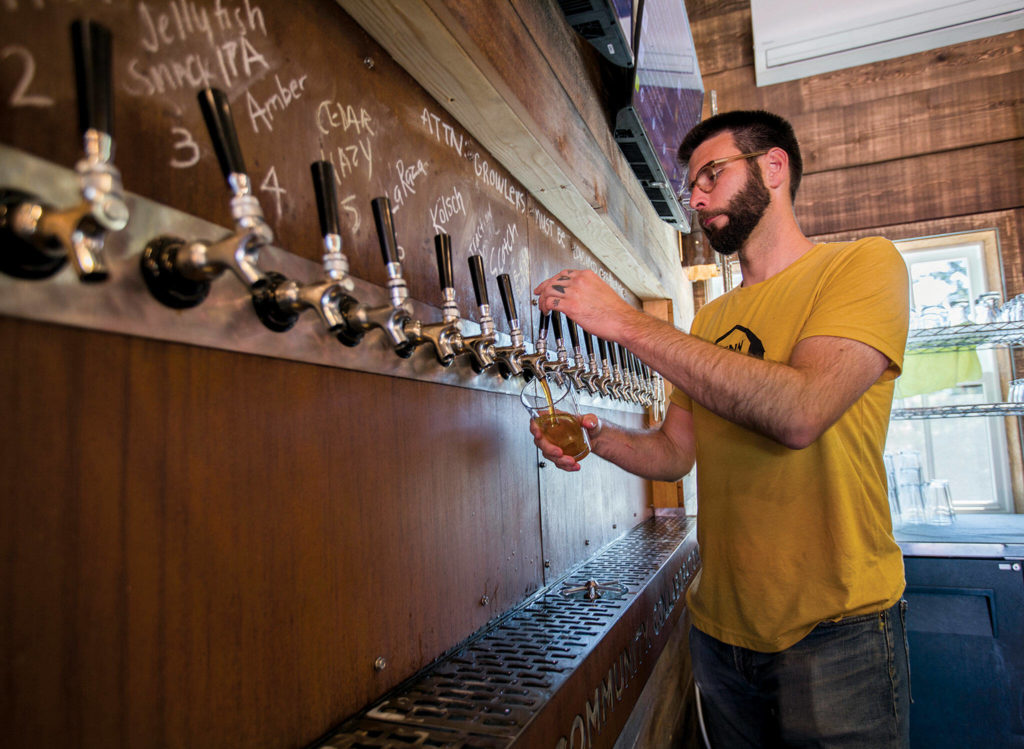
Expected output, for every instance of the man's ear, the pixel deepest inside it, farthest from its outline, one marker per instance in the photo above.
(776, 168)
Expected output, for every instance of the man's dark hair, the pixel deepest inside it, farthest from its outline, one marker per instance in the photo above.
(753, 131)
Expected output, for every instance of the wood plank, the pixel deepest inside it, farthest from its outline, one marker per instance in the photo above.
(925, 71)
(486, 74)
(724, 42)
(974, 180)
(913, 124)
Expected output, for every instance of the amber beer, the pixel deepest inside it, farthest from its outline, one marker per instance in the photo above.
(561, 427)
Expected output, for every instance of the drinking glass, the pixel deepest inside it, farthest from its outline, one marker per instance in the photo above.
(555, 410)
(910, 486)
(939, 503)
(986, 308)
(894, 497)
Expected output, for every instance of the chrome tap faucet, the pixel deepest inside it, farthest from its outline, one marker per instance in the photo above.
(536, 364)
(481, 346)
(621, 376)
(644, 381)
(509, 358)
(606, 383)
(578, 369)
(36, 239)
(593, 374)
(279, 300)
(390, 318)
(561, 364)
(179, 273)
(444, 336)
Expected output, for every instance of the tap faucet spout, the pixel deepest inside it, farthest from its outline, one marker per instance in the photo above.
(481, 346)
(509, 358)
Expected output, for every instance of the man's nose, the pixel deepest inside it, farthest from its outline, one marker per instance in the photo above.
(698, 199)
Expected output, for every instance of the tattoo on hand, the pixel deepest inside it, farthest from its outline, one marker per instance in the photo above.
(559, 289)
(554, 302)
(564, 278)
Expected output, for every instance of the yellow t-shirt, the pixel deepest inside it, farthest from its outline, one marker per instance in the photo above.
(790, 538)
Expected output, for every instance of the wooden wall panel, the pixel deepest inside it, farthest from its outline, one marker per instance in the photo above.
(918, 188)
(203, 547)
(888, 143)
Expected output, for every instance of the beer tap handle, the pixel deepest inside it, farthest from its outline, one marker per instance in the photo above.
(217, 114)
(326, 197)
(602, 350)
(556, 325)
(443, 249)
(385, 230)
(574, 336)
(542, 330)
(508, 301)
(588, 340)
(397, 290)
(623, 367)
(476, 270)
(335, 262)
(91, 47)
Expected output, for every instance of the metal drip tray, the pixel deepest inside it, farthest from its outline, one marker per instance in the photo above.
(520, 682)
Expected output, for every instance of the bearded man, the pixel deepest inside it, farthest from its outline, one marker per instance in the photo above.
(783, 389)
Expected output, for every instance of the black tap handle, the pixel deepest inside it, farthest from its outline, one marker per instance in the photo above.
(542, 329)
(622, 357)
(508, 300)
(476, 270)
(574, 336)
(611, 356)
(588, 339)
(603, 349)
(326, 197)
(217, 114)
(91, 47)
(556, 324)
(631, 361)
(443, 250)
(385, 229)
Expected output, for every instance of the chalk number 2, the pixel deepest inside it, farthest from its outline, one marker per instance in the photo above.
(20, 97)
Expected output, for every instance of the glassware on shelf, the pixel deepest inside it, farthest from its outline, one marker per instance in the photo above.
(1013, 310)
(910, 487)
(959, 313)
(986, 308)
(938, 503)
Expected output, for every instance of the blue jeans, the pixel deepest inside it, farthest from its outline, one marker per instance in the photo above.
(846, 684)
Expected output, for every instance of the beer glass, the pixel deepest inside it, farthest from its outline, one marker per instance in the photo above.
(555, 410)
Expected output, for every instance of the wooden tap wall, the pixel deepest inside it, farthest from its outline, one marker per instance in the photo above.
(206, 547)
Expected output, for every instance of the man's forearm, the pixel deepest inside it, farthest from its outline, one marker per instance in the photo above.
(781, 401)
(646, 453)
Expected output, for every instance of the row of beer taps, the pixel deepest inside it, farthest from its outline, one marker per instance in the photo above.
(38, 239)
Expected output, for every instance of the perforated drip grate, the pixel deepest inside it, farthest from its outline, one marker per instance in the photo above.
(487, 691)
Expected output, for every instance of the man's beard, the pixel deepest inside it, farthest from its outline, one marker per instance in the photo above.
(744, 212)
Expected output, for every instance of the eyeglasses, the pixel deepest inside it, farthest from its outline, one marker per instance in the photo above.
(707, 175)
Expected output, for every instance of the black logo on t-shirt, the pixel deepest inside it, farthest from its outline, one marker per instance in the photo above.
(743, 340)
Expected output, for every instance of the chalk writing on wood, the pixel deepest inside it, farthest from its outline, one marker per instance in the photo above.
(20, 96)
(278, 101)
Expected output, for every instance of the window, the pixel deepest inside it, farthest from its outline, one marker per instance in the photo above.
(947, 276)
